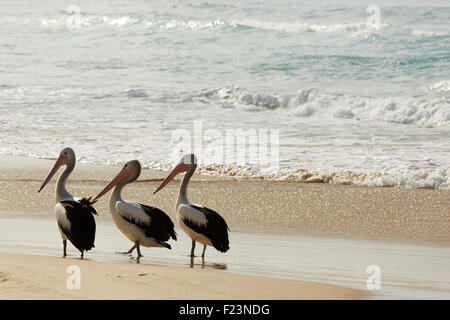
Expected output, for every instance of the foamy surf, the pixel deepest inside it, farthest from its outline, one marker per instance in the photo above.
(297, 27)
(353, 104)
(398, 177)
(423, 110)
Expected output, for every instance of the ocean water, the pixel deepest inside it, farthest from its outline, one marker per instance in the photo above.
(352, 98)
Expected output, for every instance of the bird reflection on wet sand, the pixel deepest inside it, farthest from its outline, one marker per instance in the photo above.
(218, 266)
(135, 259)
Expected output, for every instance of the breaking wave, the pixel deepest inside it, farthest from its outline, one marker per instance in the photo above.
(296, 27)
(198, 24)
(429, 110)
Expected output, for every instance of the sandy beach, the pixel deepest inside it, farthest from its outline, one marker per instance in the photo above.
(286, 207)
(37, 277)
(251, 207)
(321, 133)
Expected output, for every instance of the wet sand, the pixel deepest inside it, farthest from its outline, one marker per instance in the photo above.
(39, 277)
(390, 214)
(274, 214)
(408, 271)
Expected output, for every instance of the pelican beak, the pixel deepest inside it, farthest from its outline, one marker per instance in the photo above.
(60, 162)
(123, 174)
(181, 167)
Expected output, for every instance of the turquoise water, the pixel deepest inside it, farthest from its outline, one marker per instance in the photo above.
(116, 81)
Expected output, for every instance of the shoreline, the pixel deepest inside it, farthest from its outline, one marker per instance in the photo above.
(421, 179)
(338, 262)
(417, 216)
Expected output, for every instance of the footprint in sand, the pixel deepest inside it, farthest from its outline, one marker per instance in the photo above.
(3, 277)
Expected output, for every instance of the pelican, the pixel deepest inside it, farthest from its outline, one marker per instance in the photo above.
(74, 215)
(143, 225)
(201, 224)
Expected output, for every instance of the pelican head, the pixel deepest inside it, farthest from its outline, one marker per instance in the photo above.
(187, 162)
(129, 173)
(66, 157)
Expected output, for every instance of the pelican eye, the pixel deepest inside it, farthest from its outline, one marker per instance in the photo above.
(65, 153)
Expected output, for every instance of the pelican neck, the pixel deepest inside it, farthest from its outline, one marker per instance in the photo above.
(61, 191)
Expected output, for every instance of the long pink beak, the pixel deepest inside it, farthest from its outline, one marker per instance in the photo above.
(123, 174)
(60, 162)
(181, 167)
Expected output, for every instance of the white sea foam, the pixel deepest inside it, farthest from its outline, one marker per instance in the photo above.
(198, 24)
(122, 21)
(427, 111)
(90, 20)
(428, 33)
(398, 177)
(441, 86)
(188, 24)
(295, 27)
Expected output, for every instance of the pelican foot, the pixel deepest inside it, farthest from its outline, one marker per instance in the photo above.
(126, 252)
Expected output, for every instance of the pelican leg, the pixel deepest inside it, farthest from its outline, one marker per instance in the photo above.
(129, 251)
(132, 249)
(193, 248)
(203, 253)
(64, 248)
(82, 255)
(203, 256)
(138, 249)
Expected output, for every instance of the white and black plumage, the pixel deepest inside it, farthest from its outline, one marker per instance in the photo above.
(142, 224)
(74, 215)
(201, 224)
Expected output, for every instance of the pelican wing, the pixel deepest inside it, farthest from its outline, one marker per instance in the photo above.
(76, 220)
(153, 221)
(215, 228)
(161, 222)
